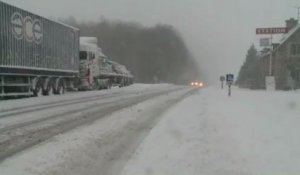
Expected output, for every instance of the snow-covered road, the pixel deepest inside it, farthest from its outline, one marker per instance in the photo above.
(185, 131)
(26, 122)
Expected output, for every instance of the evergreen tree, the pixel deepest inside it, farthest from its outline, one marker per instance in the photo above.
(247, 74)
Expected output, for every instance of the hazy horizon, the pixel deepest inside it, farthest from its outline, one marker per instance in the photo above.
(217, 33)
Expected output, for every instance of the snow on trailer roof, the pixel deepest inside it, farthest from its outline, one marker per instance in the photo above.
(88, 39)
(101, 53)
(52, 20)
(91, 43)
(88, 44)
(119, 67)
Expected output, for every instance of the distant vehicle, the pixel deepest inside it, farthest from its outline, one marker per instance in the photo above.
(197, 83)
(39, 56)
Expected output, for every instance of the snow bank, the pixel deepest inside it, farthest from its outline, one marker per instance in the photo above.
(250, 133)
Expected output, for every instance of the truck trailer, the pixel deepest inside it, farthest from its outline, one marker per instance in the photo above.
(39, 56)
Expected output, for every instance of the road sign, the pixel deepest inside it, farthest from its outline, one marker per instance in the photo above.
(229, 78)
(271, 30)
(264, 42)
(222, 78)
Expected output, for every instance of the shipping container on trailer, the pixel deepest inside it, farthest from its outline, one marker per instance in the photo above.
(37, 55)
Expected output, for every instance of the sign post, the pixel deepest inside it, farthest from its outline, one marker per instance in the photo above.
(222, 78)
(270, 83)
(270, 80)
(229, 81)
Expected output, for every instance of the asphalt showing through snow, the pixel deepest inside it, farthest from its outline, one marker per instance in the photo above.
(24, 134)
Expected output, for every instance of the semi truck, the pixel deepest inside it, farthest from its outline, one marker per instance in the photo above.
(97, 71)
(39, 56)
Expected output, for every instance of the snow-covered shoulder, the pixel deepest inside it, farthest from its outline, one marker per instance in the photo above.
(251, 132)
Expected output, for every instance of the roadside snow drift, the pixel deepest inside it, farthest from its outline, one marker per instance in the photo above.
(250, 133)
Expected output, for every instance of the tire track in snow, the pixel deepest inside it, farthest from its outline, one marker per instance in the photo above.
(21, 136)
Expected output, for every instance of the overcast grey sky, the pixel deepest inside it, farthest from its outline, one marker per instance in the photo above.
(217, 32)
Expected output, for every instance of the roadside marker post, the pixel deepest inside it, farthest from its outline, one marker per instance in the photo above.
(229, 81)
(222, 78)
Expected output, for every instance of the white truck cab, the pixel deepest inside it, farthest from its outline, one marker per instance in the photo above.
(91, 60)
(97, 71)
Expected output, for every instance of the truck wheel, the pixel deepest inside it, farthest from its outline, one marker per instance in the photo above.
(50, 90)
(60, 90)
(108, 86)
(38, 91)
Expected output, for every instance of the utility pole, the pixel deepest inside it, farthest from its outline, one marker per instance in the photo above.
(298, 17)
(271, 52)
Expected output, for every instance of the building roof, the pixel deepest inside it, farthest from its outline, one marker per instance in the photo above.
(286, 36)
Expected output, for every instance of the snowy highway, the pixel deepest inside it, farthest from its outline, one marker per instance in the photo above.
(152, 129)
(26, 122)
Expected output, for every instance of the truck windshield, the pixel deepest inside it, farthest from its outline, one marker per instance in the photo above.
(83, 55)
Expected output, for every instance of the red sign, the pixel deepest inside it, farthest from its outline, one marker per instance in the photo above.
(274, 30)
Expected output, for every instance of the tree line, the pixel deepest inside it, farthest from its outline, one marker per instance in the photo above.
(152, 54)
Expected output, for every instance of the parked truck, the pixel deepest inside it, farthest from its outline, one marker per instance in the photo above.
(39, 56)
(97, 71)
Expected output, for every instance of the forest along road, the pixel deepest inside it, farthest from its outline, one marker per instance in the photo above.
(28, 122)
